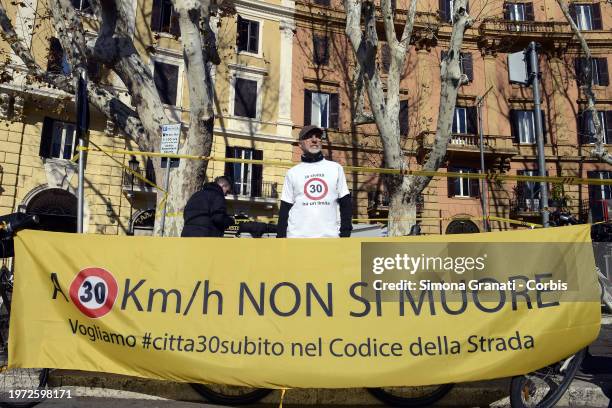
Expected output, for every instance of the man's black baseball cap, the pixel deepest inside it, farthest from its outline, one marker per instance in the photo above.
(307, 130)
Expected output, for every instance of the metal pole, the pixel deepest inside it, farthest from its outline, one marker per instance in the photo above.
(539, 132)
(483, 182)
(166, 184)
(82, 112)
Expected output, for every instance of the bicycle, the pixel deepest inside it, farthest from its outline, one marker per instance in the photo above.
(19, 387)
(543, 388)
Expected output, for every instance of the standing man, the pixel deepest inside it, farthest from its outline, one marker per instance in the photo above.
(205, 213)
(312, 193)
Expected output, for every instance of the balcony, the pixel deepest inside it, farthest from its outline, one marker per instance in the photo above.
(469, 145)
(525, 207)
(265, 192)
(134, 185)
(379, 201)
(514, 35)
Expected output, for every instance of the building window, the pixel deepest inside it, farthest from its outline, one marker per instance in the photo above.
(320, 46)
(57, 61)
(164, 19)
(463, 186)
(446, 10)
(464, 121)
(57, 139)
(245, 98)
(600, 196)
(465, 63)
(82, 6)
(403, 118)
(165, 77)
(519, 12)
(586, 16)
(248, 36)
(325, 3)
(246, 177)
(599, 71)
(586, 126)
(321, 109)
(528, 191)
(523, 126)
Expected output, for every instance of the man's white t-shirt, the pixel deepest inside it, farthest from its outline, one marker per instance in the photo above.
(314, 190)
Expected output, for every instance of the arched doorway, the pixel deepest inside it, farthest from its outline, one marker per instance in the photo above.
(142, 223)
(462, 227)
(56, 208)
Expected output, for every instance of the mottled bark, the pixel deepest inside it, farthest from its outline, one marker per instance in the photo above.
(587, 87)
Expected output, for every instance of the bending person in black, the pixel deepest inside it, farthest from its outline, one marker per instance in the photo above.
(205, 214)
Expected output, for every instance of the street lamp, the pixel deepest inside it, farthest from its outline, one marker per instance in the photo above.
(133, 164)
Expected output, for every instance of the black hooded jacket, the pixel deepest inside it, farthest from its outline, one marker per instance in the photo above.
(205, 213)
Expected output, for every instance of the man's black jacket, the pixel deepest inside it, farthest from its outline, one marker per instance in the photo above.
(205, 213)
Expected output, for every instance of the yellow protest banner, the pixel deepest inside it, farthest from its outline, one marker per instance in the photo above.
(304, 312)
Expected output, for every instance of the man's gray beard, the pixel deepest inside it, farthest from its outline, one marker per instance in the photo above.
(314, 150)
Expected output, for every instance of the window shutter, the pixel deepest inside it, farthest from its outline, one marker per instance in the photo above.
(472, 121)
(385, 57)
(245, 99)
(451, 181)
(334, 108)
(156, 15)
(572, 10)
(580, 122)
(320, 50)
(507, 11)
(529, 15)
(578, 64)
(56, 54)
(242, 37)
(257, 174)
(608, 130)
(602, 68)
(175, 28)
(544, 133)
(467, 64)
(593, 189)
(307, 107)
(596, 16)
(474, 186)
(403, 118)
(253, 29)
(514, 125)
(230, 153)
(166, 78)
(46, 137)
(445, 13)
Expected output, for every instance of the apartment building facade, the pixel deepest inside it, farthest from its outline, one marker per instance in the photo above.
(323, 94)
(253, 120)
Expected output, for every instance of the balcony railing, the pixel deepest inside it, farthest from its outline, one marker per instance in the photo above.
(525, 206)
(133, 183)
(524, 27)
(266, 190)
(380, 200)
(492, 144)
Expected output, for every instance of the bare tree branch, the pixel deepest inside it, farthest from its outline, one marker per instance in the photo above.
(360, 116)
(587, 87)
(451, 79)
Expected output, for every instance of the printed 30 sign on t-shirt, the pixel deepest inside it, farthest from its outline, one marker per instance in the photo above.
(314, 190)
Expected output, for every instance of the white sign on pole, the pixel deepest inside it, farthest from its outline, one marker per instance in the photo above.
(171, 134)
(517, 68)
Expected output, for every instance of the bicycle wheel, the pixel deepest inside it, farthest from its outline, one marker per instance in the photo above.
(411, 396)
(230, 395)
(545, 387)
(19, 387)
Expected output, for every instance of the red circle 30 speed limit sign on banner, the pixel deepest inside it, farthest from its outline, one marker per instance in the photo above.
(315, 188)
(94, 291)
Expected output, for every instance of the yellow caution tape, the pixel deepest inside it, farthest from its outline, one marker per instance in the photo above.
(379, 170)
